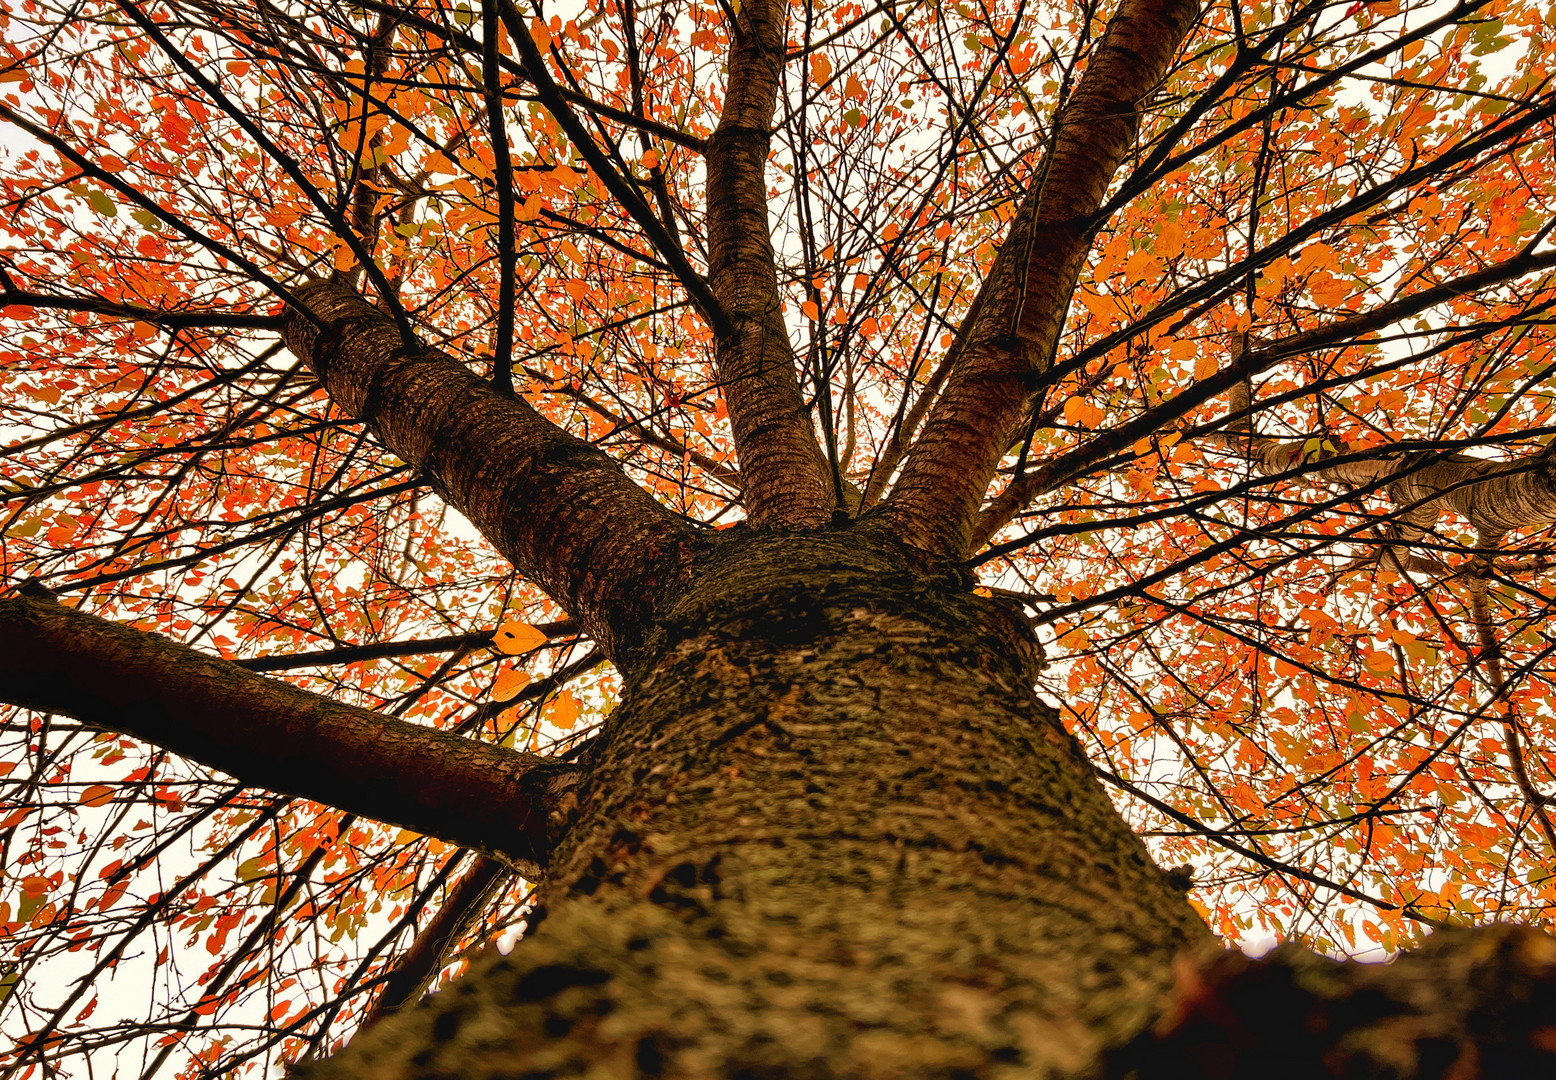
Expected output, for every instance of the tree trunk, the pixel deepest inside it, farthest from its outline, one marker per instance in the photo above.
(829, 831)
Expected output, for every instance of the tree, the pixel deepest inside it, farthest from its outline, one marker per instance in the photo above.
(880, 433)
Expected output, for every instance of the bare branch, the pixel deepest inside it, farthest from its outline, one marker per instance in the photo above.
(378, 650)
(168, 320)
(419, 965)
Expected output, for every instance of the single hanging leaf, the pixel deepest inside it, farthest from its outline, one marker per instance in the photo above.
(97, 795)
(516, 637)
(565, 710)
(101, 202)
(509, 682)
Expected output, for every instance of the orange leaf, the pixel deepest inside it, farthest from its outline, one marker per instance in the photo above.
(509, 682)
(96, 795)
(514, 637)
(565, 710)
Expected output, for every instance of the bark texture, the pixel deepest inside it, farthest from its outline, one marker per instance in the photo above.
(273, 735)
(1021, 310)
(829, 832)
(559, 509)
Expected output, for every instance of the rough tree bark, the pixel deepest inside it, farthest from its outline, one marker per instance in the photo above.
(829, 831)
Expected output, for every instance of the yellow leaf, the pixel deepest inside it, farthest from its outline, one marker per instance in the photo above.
(509, 682)
(406, 836)
(1075, 641)
(1169, 240)
(1205, 367)
(96, 795)
(514, 637)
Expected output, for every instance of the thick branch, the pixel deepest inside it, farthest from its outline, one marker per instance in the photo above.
(1495, 497)
(784, 474)
(419, 965)
(1468, 1003)
(561, 511)
(1022, 309)
(271, 734)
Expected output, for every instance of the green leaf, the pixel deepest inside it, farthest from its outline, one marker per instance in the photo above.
(28, 906)
(100, 202)
(147, 220)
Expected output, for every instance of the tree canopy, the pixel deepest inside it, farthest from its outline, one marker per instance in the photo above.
(1215, 341)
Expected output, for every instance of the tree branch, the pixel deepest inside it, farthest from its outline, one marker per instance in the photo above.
(1468, 1003)
(378, 650)
(1011, 342)
(556, 103)
(1244, 364)
(785, 477)
(271, 734)
(558, 509)
(502, 179)
(1495, 497)
(419, 965)
(168, 320)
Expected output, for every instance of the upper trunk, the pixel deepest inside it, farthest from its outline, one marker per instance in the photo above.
(829, 831)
